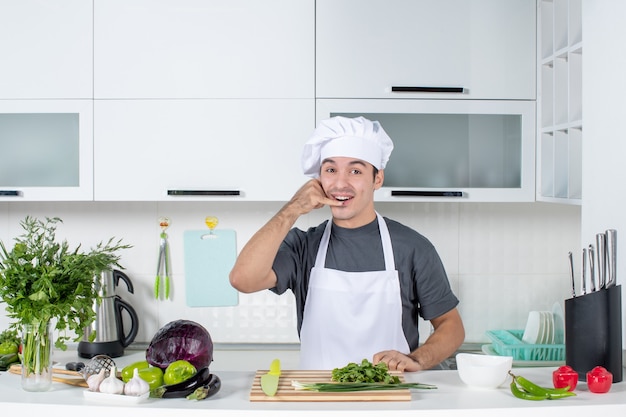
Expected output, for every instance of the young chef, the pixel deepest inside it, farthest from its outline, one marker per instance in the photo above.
(360, 280)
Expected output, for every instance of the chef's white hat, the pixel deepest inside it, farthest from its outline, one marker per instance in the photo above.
(358, 138)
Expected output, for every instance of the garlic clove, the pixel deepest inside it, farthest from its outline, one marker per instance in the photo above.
(112, 385)
(94, 381)
(136, 386)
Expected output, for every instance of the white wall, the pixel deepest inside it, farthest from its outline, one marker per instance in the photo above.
(503, 259)
(604, 140)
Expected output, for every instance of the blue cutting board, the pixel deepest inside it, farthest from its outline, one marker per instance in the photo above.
(208, 262)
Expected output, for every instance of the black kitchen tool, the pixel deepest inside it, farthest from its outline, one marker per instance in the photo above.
(593, 332)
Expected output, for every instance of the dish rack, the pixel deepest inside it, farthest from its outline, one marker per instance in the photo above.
(509, 343)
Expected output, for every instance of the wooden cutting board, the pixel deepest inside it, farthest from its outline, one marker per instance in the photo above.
(68, 377)
(288, 393)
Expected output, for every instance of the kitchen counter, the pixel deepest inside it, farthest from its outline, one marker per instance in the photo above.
(451, 398)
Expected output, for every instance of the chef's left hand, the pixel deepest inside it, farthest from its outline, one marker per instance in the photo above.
(397, 361)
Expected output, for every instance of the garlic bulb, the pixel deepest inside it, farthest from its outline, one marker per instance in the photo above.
(112, 385)
(94, 381)
(136, 386)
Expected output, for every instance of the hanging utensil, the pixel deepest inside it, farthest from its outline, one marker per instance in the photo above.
(163, 265)
(571, 272)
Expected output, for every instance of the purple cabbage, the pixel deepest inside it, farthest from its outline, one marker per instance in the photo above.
(180, 340)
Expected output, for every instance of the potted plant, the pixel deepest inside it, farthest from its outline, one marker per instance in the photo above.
(47, 285)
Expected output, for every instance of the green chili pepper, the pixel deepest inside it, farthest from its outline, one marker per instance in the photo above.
(562, 394)
(525, 395)
(527, 390)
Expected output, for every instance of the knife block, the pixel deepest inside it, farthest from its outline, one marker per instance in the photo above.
(593, 332)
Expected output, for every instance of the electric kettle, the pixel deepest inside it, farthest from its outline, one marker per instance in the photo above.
(107, 330)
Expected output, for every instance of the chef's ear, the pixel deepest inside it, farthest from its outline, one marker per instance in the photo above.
(379, 178)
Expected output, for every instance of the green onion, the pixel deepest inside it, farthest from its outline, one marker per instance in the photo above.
(357, 386)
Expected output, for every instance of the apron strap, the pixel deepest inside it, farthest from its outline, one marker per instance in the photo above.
(390, 264)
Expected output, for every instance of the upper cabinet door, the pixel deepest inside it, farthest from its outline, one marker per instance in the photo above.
(46, 150)
(486, 48)
(46, 49)
(200, 150)
(204, 48)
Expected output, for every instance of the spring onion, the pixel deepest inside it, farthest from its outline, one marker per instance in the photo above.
(357, 386)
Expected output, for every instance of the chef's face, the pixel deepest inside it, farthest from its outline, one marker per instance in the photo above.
(353, 182)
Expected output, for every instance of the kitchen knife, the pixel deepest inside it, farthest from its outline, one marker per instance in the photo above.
(601, 257)
(592, 268)
(571, 272)
(270, 380)
(583, 275)
(611, 254)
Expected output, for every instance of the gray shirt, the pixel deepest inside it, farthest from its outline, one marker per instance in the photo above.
(424, 286)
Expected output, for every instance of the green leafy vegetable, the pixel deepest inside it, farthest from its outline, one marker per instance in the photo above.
(42, 279)
(9, 336)
(365, 372)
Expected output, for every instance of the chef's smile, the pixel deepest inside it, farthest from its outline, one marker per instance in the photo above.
(342, 197)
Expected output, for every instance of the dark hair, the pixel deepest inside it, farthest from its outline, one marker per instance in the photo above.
(375, 172)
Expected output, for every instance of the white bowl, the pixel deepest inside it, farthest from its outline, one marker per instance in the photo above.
(483, 371)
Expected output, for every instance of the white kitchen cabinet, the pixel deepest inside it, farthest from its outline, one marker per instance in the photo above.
(486, 48)
(46, 150)
(451, 150)
(559, 102)
(190, 150)
(46, 49)
(204, 48)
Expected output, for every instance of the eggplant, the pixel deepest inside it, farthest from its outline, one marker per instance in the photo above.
(208, 390)
(183, 389)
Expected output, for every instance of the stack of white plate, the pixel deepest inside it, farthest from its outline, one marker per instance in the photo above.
(540, 328)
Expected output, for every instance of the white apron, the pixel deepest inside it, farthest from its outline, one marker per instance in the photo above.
(350, 316)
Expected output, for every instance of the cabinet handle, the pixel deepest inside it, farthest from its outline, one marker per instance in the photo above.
(203, 192)
(403, 193)
(10, 193)
(405, 89)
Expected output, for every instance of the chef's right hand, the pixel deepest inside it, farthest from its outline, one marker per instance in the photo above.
(311, 196)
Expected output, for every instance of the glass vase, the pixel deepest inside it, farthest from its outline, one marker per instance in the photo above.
(36, 356)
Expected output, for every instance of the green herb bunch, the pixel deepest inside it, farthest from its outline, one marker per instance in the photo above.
(364, 372)
(42, 280)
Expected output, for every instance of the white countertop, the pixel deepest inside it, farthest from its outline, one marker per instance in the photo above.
(452, 397)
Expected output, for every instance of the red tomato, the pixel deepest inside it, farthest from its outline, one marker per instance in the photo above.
(565, 376)
(599, 380)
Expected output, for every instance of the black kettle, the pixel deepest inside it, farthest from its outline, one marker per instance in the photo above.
(108, 327)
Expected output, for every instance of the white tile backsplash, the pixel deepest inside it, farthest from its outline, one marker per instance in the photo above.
(503, 259)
